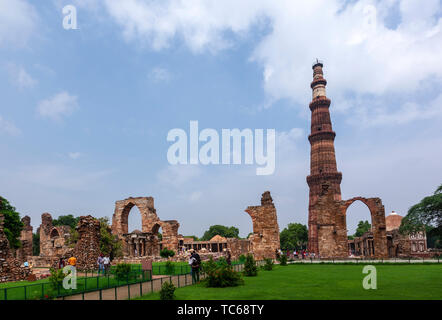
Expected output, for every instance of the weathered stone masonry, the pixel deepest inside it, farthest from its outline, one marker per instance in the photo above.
(327, 212)
(264, 242)
(10, 269)
(150, 224)
(87, 249)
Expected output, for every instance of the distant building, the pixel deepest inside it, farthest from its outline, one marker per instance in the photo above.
(411, 245)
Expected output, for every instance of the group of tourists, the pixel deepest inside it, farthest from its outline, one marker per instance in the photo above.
(195, 265)
(72, 261)
(295, 254)
(303, 254)
(103, 264)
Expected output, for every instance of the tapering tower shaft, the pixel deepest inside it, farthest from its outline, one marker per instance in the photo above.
(323, 168)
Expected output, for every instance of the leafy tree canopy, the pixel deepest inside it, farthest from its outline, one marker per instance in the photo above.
(363, 227)
(12, 223)
(66, 220)
(227, 232)
(294, 236)
(427, 213)
(110, 245)
(195, 238)
(36, 244)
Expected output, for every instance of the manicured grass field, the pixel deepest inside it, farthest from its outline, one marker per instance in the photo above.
(326, 281)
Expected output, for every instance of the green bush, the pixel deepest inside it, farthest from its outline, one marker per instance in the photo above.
(250, 269)
(122, 271)
(283, 260)
(242, 258)
(268, 266)
(56, 278)
(167, 291)
(208, 266)
(169, 267)
(166, 253)
(222, 262)
(220, 275)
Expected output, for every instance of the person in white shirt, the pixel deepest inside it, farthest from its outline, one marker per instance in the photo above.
(106, 263)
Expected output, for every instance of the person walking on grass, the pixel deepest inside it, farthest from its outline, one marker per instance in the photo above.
(100, 262)
(106, 263)
(61, 263)
(194, 263)
(229, 258)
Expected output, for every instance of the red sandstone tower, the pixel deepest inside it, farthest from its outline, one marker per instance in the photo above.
(323, 169)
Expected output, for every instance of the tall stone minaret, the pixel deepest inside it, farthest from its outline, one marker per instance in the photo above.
(323, 169)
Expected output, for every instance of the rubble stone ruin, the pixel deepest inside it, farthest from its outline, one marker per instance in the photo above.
(264, 242)
(25, 252)
(327, 211)
(53, 239)
(10, 268)
(87, 248)
(144, 242)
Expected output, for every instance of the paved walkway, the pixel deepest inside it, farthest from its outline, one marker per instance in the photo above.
(138, 289)
(133, 290)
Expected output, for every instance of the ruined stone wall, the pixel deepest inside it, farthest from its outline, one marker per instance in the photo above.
(53, 239)
(264, 242)
(121, 214)
(87, 248)
(238, 247)
(10, 269)
(150, 224)
(25, 251)
(170, 235)
(331, 226)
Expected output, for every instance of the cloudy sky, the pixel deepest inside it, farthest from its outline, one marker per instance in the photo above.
(85, 113)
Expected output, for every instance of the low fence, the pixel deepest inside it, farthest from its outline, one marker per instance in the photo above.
(367, 260)
(46, 290)
(132, 291)
(93, 285)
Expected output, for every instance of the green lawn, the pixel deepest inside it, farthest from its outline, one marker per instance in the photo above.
(326, 282)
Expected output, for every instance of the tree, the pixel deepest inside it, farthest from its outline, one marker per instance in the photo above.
(294, 236)
(66, 220)
(427, 213)
(12, 223)
(363, 227)
(195, 238)
(36, 244)
(223, 231)
(110, 245)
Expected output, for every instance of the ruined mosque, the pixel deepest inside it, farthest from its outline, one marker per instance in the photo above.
(327, 228)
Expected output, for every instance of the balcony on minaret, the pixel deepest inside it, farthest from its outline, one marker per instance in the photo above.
(318, 84)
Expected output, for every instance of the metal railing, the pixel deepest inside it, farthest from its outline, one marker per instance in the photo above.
(92, 282)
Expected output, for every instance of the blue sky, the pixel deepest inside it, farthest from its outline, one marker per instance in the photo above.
(84, 114)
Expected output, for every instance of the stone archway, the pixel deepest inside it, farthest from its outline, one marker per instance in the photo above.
(150, 222)
(120, 219)
(331, 225)
(54, 233)
(378, 247)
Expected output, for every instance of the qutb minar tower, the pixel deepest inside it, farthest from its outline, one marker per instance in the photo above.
(323, 169)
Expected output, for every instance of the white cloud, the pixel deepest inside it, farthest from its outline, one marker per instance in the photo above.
(57, 176)
(18, 21)
(362, 53)
(158, 74)
(74, 155)
(60, 105)
(178, 175)
(195, 196)
(368, 115)
(8, 127)
(20, 77)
